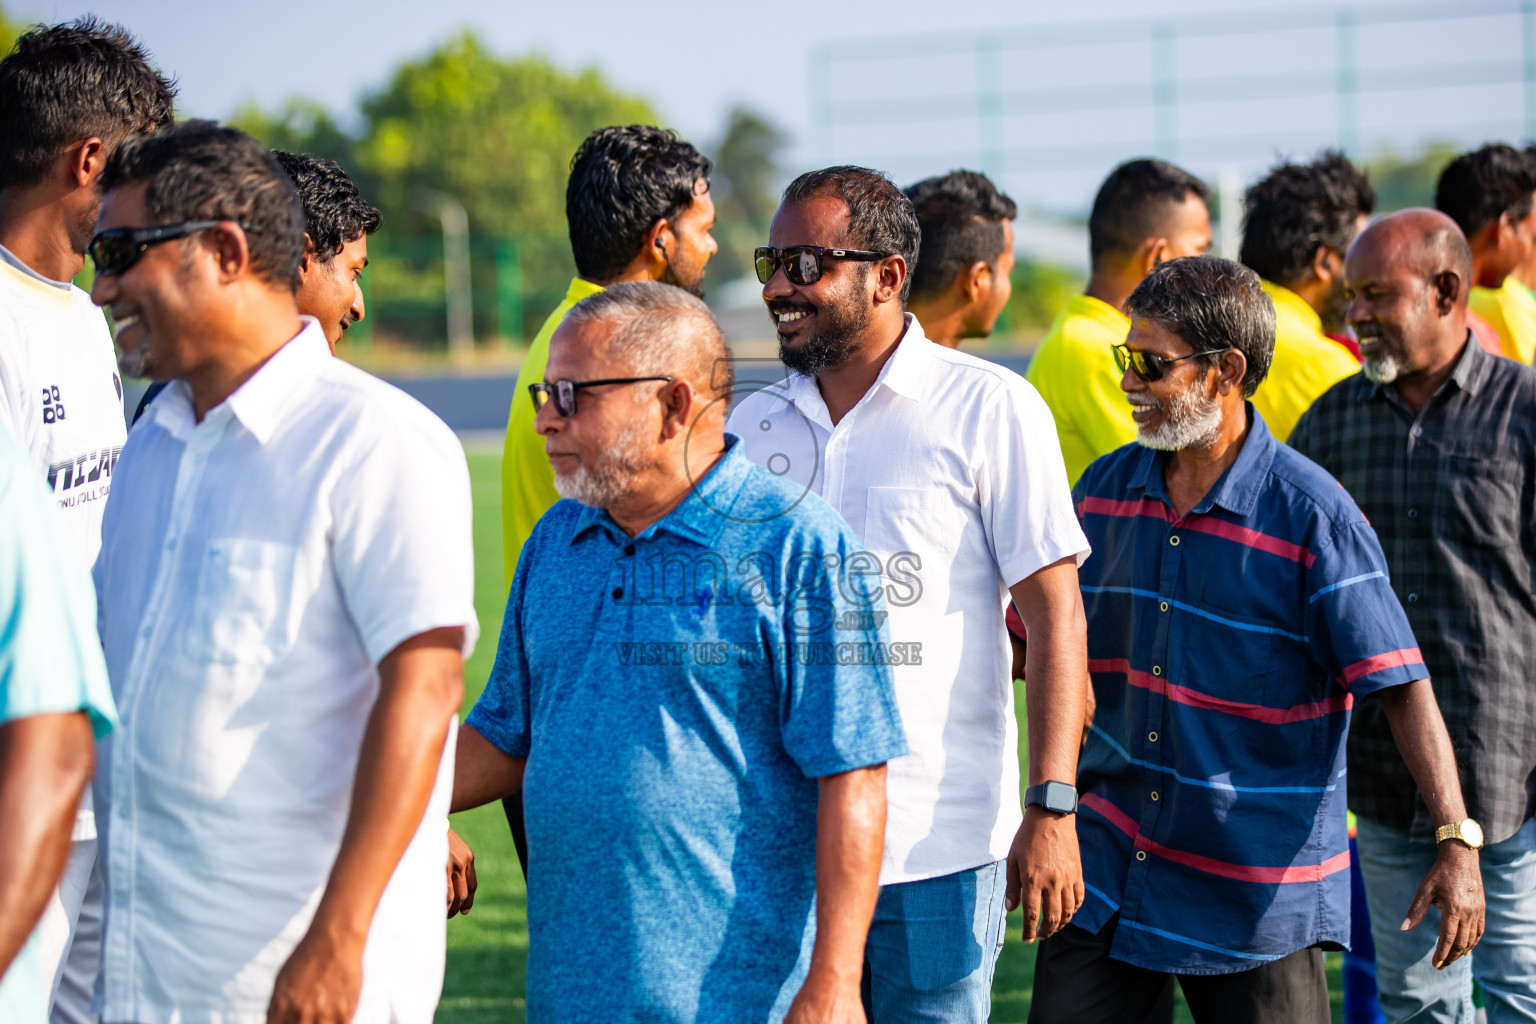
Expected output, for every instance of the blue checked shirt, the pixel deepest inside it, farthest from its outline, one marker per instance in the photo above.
(1226, 649)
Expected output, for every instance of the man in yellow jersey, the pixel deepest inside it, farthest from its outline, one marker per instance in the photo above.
(1488, 193)
(964, 268)
(1146, 213)
(638, 209)
(1298, 223)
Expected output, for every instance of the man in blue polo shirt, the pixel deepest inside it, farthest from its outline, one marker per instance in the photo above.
(693, 673)
(1238, 605)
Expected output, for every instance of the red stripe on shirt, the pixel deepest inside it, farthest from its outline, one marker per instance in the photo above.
(1392, 659)
(1250, 538)
(1240, 872)
(1194, 698)
(1124, 509)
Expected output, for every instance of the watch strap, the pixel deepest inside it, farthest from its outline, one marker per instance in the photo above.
(1034, 796)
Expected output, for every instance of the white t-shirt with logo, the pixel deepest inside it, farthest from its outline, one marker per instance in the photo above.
(62, 399)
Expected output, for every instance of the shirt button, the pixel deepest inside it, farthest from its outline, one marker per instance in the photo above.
(1154, 796)
(1174, 540)
(1418, 431)
(1141, 854)
(618, 592)
(1162, 607)
(1151, 737)
(1413, 513)
(1157, 670)
(1413, 598)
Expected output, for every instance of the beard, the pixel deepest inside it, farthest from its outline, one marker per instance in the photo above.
(1189, 421)
(841, 321)
(611, 474)
(1334, 313)
(689, 279)
(1387, 363)
(135, 363)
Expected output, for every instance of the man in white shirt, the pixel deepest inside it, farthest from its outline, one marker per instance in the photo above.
(286, 590)
(69, 94)
(948, 468)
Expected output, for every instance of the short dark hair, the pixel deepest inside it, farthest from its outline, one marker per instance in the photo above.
(200, 170)
(1212, 304)
(1131, 204)
(880, 216)
(62, 84)
(1297, 208)
(1478, 187)
(960, 217)
(623, 179)
(335, 212)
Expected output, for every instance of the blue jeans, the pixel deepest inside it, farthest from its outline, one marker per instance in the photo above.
(932, 948)
(1504, 963)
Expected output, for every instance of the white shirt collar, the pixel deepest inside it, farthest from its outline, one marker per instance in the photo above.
(258, 403)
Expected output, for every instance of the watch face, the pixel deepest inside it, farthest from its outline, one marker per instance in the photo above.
(1060, 797)
(1472, 833)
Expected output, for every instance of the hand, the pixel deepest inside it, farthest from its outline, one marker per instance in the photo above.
(461, 875)
(1455, 885)
(1045, 872)
(826, 1002)
(320, 982)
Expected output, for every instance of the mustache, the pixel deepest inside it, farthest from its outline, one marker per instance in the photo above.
(1367, 330)
(1143, 400)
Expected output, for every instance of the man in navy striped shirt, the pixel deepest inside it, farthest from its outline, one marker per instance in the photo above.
(1238, 605)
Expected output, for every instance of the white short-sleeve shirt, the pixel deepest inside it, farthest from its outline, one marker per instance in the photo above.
(255, 569)
(950, 472)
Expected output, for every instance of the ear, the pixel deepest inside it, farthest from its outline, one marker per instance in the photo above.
(679, 406)
(1326, 264)
(230, 248)
(307, 264)
(660, 244)
(86, 162)
(1447, 291)
(890, 274)
(1154, 251)
(1230, 371)
(976, 282)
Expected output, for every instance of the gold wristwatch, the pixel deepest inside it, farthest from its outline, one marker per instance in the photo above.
(1467, 830)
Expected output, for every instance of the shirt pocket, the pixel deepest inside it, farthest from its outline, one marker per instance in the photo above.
(241, 612)
(1478, 501)
(926, 521)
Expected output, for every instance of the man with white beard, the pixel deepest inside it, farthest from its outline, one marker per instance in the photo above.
(693, 673)
(1237, 606)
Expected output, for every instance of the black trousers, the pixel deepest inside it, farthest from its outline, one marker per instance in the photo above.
(1077, 982)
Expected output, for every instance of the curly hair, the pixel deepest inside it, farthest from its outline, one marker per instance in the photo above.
(335, 212)
(1297, 208)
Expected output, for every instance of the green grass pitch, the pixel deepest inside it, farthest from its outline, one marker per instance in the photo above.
(487, 950)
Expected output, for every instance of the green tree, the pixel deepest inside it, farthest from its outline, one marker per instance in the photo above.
(300, 126)
(1402, 181)
(746, 170)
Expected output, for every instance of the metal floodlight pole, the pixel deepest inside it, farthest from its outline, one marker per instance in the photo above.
(455, 220)
(1528, 24)
(821, 103)
(1348, 83)
(989, 107)
(1165, 94)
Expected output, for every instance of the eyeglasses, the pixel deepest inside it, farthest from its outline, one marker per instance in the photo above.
(1150, 367)
(564, 391)
(802, 263)
(116, 249)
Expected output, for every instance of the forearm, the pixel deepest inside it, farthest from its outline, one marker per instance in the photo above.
(1056, 670)
(482, 773)
(1425, 746)
(397, 766)
(850, 836)
(45, 763)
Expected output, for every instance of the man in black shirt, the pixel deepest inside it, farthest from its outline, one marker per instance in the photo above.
(1436, 440)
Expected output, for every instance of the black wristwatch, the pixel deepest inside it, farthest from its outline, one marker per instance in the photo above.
(1056, 797)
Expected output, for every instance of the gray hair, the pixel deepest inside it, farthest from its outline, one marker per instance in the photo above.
(1212, 305)
(663, 330)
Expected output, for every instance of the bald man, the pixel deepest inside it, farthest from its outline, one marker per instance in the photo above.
(1436, 440)
(692, 670)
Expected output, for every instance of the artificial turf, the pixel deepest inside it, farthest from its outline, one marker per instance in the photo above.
(488, 949)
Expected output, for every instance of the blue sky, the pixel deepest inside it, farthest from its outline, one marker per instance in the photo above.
(694, 60)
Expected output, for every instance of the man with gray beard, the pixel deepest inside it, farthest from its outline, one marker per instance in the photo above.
(1436, 440)
(693, 694)
(1237, 607)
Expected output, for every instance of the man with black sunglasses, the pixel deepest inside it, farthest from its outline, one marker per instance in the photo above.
(1238, 607)
(949, 469)
(69, 95)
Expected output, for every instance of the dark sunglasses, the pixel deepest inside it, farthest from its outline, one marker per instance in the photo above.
(564, 391)
(116, 249)
(802, 263)
(1150, 367)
